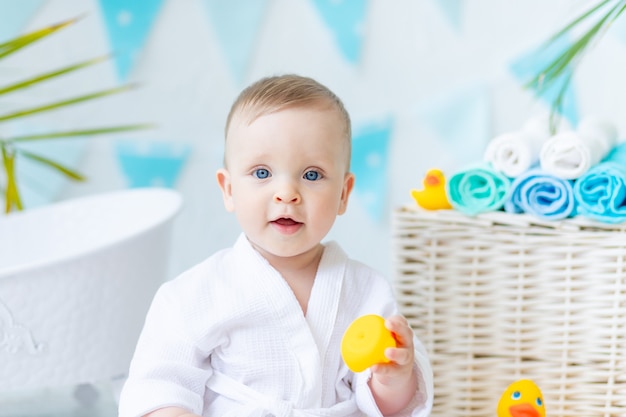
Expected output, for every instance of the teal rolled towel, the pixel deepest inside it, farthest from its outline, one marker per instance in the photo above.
(478, 189)
(601, 192)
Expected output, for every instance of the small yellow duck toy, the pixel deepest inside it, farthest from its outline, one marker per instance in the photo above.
(364, 343)
(433, 196)
(521, 399)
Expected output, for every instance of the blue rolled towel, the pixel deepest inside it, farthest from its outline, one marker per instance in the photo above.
(542, 195)
(601, 192)
(478, 189)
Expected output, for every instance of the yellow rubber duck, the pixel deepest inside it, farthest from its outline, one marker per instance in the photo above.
(364, 342)
(522, 399)
(433, 196)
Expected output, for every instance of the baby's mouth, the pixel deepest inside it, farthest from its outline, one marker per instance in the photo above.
(286, 226)
(284, 221)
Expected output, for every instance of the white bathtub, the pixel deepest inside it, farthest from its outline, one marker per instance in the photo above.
(76, 280)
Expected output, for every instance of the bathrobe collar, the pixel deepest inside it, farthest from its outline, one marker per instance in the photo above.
(311, 333)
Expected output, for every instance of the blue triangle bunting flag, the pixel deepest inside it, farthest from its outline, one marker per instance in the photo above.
(453, 9)
(346, 19)
(236, 24)
(532, 63)
(370, 154)
(15, 15)
(151, 164)
(462, 120)
(128, 24)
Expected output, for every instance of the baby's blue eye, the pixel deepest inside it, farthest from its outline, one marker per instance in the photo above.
(261, 173)
(539, 402)
(312, 175)
(516, 395)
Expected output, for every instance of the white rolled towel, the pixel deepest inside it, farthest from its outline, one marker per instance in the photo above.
(568, 155)
(513, 153)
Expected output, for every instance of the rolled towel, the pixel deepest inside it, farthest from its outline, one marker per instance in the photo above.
(601, 192)
(478, 189)
(569, 155)
(541, 195)
(513, 153)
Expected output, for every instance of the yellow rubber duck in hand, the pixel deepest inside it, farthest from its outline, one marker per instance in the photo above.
(433, 196)
(364, 343)
(522, 399)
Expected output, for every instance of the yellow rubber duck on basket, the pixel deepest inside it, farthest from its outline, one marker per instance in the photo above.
(522, 399)
(433, 196)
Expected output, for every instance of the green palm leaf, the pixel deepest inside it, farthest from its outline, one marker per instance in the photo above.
(563, 66)
(78, 133)
(70, 173)
(50, 75)
(64, 103)
(9, 152)
(14, 45)
(12, 194)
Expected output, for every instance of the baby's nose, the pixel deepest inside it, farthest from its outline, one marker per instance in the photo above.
(287, 194)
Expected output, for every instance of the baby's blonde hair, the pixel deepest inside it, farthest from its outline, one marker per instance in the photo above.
(272, 94)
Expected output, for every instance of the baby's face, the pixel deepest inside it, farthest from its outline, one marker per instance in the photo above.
(286, 178)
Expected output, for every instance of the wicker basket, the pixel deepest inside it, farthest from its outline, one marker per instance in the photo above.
(499, 297)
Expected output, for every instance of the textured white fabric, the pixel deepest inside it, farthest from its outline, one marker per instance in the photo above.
(513, 153)
(228, 338)
(569, 155)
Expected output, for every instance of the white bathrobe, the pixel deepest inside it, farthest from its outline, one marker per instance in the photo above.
(228, 338)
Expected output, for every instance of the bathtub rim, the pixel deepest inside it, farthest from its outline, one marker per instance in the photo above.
(166, 216)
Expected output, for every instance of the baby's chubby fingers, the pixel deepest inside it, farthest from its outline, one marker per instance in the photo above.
(399, 326)
(402, 354)
(399, 356)
(399, 376)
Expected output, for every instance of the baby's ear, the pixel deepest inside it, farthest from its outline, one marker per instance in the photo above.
(223, 180)
(348, 185)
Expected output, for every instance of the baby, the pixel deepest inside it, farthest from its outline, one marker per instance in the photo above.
(255, 329)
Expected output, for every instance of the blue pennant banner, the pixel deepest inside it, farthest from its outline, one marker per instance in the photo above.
(128, 24)
(370, 154)
(453, 9)
(15, 15)
(236, 24)
(462, 121)
(532, 63)
(151, 163)
(346, 20)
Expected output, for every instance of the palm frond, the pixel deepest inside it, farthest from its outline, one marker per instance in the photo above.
(79, 133)
(50, 75)
(68, 172)
(64, 103)
(564, 65)
(580, 19)
(14, 45)
(11, 190)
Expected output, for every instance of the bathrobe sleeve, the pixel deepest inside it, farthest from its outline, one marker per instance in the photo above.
(368, 292)
(422, 402)
(169, 367)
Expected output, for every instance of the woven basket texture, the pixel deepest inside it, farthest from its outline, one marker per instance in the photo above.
(499, 297)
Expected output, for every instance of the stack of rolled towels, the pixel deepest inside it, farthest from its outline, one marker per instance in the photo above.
(574, 172)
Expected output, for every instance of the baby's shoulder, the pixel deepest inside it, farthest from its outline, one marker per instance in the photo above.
(362, 278)
(361, 271)
(203, 275)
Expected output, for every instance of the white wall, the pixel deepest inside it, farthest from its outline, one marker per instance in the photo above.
(411, 53)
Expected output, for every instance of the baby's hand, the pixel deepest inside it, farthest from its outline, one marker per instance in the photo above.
(402, 357)
(394, 384)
